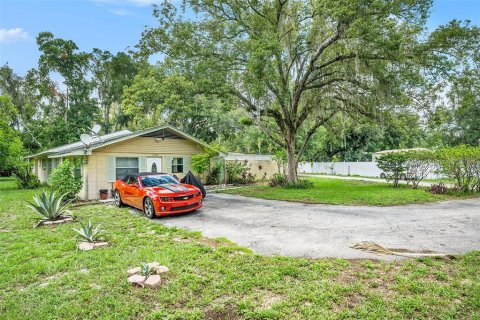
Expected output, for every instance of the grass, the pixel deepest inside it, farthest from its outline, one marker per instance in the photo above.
(344, 192)
(43, 276)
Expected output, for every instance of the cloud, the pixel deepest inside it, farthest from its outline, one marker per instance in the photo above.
(138, 3)
(120, 12)
(13, 35)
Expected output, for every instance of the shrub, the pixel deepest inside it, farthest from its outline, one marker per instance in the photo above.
(26, 179)
(393, 165)
(66, 179)
(462, 165)
(300, 184)
(201, 162)
(418, 165)
(214, 175)
(278, 180)
(49, 206)
(238, 173)
(439, 188)
(88, 232)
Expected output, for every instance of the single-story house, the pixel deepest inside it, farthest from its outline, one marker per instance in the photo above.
(111, 156)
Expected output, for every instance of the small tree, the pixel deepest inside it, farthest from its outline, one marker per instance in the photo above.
(393, 165)
(418, 165)
(462, 165)
(66, 179)
(201, 162)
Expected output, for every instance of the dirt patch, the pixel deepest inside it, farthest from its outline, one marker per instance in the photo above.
(208, 242)
(403, 250)
(270, 299)
(229, 312)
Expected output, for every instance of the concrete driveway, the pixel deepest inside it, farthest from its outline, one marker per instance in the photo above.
(307, 230)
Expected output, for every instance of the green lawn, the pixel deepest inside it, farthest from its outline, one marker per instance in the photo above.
(345, 192)
(43, 276)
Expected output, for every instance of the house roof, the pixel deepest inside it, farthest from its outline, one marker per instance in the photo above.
(78, 148)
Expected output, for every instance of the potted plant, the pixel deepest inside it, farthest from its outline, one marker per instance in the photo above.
(103, 194)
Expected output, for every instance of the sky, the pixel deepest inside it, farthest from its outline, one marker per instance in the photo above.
(116, 25)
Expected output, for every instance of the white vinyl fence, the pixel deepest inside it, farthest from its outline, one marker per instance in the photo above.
(366, 169)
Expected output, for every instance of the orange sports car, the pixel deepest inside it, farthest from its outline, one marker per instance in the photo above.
(157, 194)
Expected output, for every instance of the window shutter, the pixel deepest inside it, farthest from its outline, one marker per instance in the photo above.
(168, 164)
(111, 169)
(186, 164)
(142, 164)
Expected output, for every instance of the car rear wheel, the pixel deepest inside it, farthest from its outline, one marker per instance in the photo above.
(118, 199)
(149, 208)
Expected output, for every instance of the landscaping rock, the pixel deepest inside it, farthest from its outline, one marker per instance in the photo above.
(100, 244)
(154, 265)
(85, 246)
(137, 279)
(161, 269)
(133, 271)
(153, 281)
(59, 221)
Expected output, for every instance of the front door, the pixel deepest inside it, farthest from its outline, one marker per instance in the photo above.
(154, 164)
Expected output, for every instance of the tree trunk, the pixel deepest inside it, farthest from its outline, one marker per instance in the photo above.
(291, 160)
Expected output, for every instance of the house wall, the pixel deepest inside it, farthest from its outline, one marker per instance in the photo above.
(262, 169)
(96, 173)
(43, 167)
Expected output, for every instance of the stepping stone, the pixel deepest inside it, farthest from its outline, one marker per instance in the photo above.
(100, 244)
(134, 271)
(85, 246)
(137, 279)
(153, 281)
(161, 269)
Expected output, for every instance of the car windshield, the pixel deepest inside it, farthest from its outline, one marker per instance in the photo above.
(153, 181)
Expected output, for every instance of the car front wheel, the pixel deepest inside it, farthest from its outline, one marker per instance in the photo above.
(149, 208)
(118, 199)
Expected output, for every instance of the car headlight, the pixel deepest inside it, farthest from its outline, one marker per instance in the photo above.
(165, 199)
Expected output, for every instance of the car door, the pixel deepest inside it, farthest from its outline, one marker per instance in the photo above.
(129, 191)
(137, 194)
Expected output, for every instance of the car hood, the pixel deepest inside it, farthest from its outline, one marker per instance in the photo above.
(171, 188)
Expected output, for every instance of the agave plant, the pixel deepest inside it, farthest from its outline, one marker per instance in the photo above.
(88, 232)
(146, 269)
(49, 206)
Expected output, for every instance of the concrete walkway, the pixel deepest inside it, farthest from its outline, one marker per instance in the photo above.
(294, 229)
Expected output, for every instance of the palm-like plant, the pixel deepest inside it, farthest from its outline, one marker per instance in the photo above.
(49, 206)
(146, 269)
(88, 232)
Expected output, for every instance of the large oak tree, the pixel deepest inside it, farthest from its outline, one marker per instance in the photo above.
(296, 64)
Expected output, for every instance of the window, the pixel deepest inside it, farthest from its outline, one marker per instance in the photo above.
(124, 166)
(177, 165)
